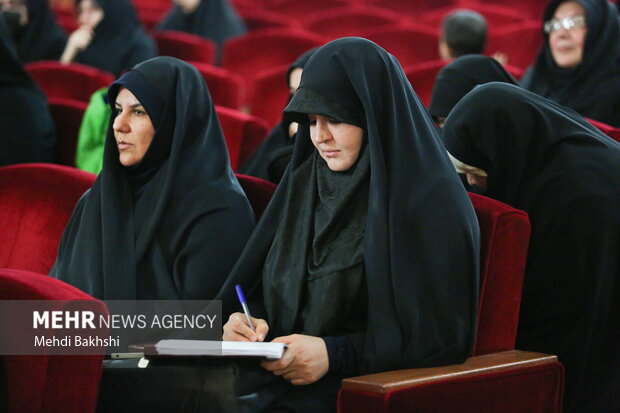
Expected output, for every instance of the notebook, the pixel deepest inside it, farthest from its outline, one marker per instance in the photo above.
(219, 348)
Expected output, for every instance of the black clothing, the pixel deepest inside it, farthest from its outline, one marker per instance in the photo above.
(213, 19)
(119, 42)
(459, 77)
(592, 88)
(27, 131)
(420, 243)
(42, 38)
(180, 236)
(548, 161)
(273, 155)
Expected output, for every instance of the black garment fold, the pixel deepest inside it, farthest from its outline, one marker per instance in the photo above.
(550, 162)
(181, 236)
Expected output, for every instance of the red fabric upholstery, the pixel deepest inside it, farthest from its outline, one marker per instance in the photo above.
(256, 19)
(504, 236)
(185, 46)
(48, 383)
(243, 134)
(349, 21)
(258, 191)
(399, 41)
(521, 43)
(36, 201)
(72, 81)
(422, 78)
(66, 18)
(270, 94)
(226, 88)
(259, 50)
(414, 8)
(608, 130)
(67, 114)
(533, 8)
(296, 10)
(497, 16)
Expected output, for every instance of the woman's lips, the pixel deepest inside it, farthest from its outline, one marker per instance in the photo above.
(330, 153)
(123, 145)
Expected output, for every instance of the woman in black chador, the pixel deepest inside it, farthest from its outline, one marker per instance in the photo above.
(166, 217)
(579, 63)
(27, 128)
(367, 256)
(213, 19)
(548, 161)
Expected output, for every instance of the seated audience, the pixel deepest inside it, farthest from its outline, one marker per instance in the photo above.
(166, 217)
(579, 63)
(462, 32)
(27, 133)
(547, 160)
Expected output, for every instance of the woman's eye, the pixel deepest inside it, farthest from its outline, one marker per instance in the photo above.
(334, 122)
(117, 111)
(139, 112)
(312, 122)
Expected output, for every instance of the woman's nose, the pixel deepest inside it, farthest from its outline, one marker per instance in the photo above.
(322, 133)
(120, 123)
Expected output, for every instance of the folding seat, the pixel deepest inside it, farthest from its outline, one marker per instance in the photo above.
(259, 50)
(608, 130)
(519, 42)
(73, 81)
(409, 44)
(533, 9)
(297, 10)
(496, 378)
(243, 134)
(67, 114)
(185, 46)
(414, 8)
(257, 19)
(258, 191)
(497, 16)
(226, 88)
(270, 94)
(49, 383)
(339, 22)
(422, 78)
(36, 202)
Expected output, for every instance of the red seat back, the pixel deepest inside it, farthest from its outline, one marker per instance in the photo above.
(243, 134)
(608, 130)
(36, 201)
(422, 78)
(504, 236)
(349, 21)
(529, 38)
(225, 87)
(258, 191)
(73, 81)
(271, 83)
(257, 19)
(410, 45)
(185, 46)
(497, 17)
(67, 114)
(296, 10)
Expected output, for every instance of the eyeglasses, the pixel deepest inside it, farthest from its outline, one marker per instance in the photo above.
(566, 23)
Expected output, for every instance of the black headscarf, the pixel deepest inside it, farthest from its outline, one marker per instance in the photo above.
(119, 42)
(28, 132)
(273, 155)
(547, 160)
(592, 88)
(181, 236)
(421, 239)
(213, 19)
(41, 38)
(460, 76)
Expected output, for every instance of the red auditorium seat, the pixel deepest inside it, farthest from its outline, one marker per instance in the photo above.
(259, 50)
(226, 88)
(496, 378)
(66, 18)
(72, 81)
(520, 42)
(258, 191)
(270, 94)
(243, 134)
(257, 19)
(497, 16)
(349, 21)
(533, 8)
(296, 10)
(50, 383)
(185, 46)
(241, 5)
(422, 78)
(410, 45)
(608, 130)
(36, 201)
(67, 114)
(414, 8)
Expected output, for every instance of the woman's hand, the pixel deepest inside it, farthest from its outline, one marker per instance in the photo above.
(79, 40)
(237, 329)
(304, 361)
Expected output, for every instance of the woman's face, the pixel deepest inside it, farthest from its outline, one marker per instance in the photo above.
(89, 14)
(567, 33)
(133, 128)
(338, 143)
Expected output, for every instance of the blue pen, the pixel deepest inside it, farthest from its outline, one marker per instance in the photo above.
(244, 305)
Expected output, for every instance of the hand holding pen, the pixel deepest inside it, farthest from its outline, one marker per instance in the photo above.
(242, 326)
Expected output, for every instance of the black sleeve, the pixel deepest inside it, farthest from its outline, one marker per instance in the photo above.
(341, 355)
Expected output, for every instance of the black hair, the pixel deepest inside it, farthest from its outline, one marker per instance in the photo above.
(464, 32)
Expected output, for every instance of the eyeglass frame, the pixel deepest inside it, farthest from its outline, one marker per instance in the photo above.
(566, 23)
